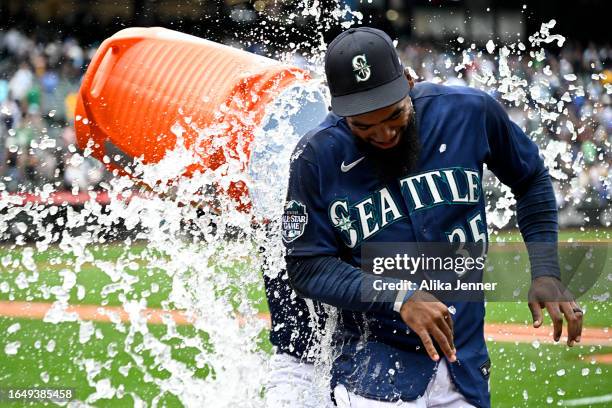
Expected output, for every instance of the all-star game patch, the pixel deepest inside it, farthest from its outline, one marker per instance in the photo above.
(295, 219)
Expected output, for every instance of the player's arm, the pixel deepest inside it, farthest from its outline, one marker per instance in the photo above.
(330, 280)
(337, 283)
(316, 272)
(515, 160)
(313, 266)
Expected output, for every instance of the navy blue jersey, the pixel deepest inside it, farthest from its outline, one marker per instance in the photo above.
(334, 207)
(291, 330)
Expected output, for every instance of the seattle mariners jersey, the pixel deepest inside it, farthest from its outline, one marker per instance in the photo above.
(336, 202)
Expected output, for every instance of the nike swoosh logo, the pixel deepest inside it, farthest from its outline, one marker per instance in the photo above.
(347, 167)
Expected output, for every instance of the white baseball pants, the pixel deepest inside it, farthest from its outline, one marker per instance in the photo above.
(291, 384)
(440, 393)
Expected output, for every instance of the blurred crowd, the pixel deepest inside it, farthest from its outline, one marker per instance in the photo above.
(562, 101)
(39, 82)
(38, 86)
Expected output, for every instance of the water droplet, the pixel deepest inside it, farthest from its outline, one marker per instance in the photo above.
(13, 328)
(490, 47)
(12, 348)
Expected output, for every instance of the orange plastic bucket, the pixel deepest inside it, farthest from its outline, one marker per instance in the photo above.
(144, 81)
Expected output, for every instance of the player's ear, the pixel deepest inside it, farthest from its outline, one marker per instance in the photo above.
(409, 77)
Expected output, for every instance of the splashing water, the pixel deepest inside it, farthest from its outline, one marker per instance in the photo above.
(200, 248)
(532, 98)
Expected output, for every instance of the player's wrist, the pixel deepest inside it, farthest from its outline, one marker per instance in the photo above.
(544, 276)
(401, 298)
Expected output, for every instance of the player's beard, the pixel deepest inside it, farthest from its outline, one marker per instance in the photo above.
(398, 161)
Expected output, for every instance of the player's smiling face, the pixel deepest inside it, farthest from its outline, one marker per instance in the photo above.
(383, 128)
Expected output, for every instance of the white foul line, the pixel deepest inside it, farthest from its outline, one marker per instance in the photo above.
(588, 400)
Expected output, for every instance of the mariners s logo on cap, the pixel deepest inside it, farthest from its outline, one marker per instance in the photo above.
(364, 72)
(361, 68)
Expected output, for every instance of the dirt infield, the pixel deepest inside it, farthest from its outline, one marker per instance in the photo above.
(527, 334)
(493, 331)
(600, 358)
(38, 310)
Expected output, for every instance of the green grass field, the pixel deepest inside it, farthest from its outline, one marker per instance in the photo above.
(51, 355)
(518, 370)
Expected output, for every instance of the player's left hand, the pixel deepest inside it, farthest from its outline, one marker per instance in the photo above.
(549, 292)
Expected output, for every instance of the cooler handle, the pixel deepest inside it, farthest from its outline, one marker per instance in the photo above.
(96, 73)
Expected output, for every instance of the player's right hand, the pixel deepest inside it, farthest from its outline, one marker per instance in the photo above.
(429, 318)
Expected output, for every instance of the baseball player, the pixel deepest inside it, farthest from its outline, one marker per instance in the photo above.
(292, 377)
(396, 162)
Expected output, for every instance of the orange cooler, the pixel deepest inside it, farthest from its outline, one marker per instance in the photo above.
(230, 105)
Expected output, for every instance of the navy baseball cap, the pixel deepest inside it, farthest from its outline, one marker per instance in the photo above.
(364, 72)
